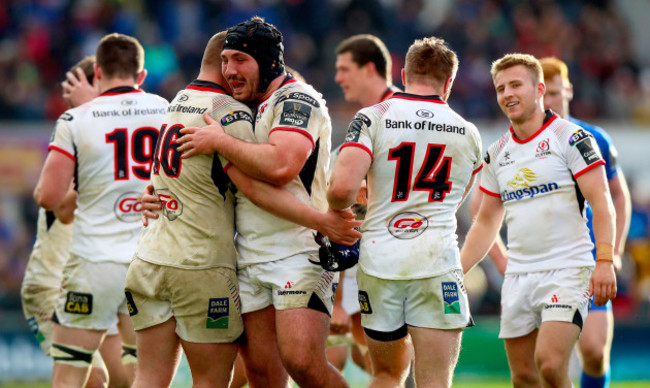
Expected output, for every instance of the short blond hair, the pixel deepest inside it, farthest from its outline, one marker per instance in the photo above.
(429, 60)
(552, 66)
(509, 60)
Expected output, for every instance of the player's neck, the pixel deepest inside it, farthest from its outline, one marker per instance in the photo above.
(421, 90)
(273, 86)
(108, 84)
(374, 93)
(528, 127)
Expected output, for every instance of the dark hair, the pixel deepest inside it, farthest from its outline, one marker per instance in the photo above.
(120, 56)
(367, 48)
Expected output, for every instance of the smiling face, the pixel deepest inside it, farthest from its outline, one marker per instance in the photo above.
(518, 94)
(350, 77)
(242, 73)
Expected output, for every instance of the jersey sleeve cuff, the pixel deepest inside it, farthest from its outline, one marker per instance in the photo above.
(598, 163)
(479, 168)
(358, 145)
(488, 192)
(297, 130)
(61, 150)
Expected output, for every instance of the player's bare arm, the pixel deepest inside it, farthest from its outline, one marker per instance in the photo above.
(498, 251)
(593, 185)
(338, 226)
(483, 231)
(55, 180)
(64, 212)
(623, 206)
(76, 89)
(349, 171)
(278, 162)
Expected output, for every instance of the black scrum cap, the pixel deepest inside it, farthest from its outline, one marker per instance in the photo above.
(263, 42)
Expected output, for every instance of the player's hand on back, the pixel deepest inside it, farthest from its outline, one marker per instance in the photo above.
(197, 140)
(339, 226)
(150, 205)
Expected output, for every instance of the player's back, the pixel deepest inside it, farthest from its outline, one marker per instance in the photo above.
(196, 228)
(424, 155)
(111, 139)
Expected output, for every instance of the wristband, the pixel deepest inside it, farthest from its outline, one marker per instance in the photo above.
(604, 252)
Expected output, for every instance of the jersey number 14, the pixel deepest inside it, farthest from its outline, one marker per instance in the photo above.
(433, 176)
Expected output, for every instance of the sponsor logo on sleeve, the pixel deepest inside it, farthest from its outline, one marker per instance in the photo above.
(300, 97)
(587, 151)
(66, 117)
(130, 304)
(364, 303)
(218, 313)
(128, 207)
(295, 114)
(356, 125)
(407, 225)
(578, 136)
(450, 297)
(237, 115)
(78, 303)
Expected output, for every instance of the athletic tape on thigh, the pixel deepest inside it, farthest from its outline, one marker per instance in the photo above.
(71, 355)
(129, 354)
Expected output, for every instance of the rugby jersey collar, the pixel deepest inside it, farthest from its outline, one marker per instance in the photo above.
(388, 93)
(548, 119)
(416, 97)
(121, 90)
(207, 86)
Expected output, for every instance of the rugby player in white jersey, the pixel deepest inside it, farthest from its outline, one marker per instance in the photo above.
(42, 281)
(539, 174)
(420, 157)
(364, 73)
(107, 145)
(286, 300)
(181, 303)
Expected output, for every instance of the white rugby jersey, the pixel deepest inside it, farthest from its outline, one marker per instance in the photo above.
(112, 140)
(196, 227)
(50, 251)
(545, 210)
(261, 236)
(423, 156)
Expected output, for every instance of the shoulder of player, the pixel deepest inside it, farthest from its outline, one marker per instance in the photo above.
(568, 132)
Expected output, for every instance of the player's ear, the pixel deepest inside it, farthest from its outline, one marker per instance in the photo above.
(98, 71)
(569, 91)
(141, 76)
(403, 72)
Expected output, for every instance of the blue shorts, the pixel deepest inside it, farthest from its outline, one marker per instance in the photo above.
(606, 307)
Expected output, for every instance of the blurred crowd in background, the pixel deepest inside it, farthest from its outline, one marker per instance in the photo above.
(41, 39)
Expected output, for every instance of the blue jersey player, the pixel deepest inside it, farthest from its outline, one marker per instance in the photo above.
(596, 339)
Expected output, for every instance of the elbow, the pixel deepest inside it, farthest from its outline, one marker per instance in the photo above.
(339, 197)
(281, 176)
(43, 200)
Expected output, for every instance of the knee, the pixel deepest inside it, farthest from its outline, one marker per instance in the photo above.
(550, 368)
(593, 357)
(525, 378)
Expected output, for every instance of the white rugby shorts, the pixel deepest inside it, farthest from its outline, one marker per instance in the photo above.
(528, 299)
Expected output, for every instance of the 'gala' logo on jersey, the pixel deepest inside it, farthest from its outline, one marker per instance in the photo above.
(522, 178)
(128, 207)
(172, 205)
(408, 225)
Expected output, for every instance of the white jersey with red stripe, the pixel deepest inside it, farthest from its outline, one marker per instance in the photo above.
(50, 252)
(196, 227)
(545, 210)
(423, 156)
(112, 140)
(261, 236)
